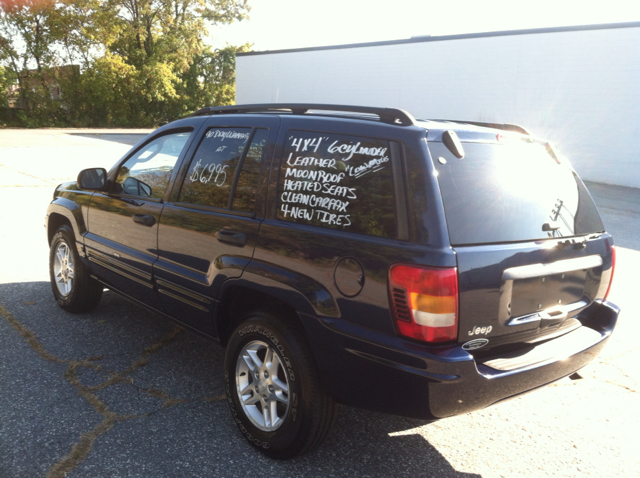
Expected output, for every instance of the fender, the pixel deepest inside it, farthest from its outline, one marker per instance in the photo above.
(72, 212)
(298, 290)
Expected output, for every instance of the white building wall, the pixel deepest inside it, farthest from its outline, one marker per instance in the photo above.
(579, 89)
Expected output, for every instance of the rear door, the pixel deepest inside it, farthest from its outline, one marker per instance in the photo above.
(207, 233)
(531, 248)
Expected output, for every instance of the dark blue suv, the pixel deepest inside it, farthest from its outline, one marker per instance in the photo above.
(349, 255)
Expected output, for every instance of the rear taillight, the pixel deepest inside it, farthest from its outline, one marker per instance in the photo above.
(613, 268)
(425, 302)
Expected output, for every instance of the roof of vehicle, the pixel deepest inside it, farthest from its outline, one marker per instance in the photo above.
(393, 116)
(386, 115)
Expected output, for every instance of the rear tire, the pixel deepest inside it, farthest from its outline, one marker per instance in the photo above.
(273, 388)
(72, 285)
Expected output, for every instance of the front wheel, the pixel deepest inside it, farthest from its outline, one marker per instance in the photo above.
(273, 388)
(72, 285)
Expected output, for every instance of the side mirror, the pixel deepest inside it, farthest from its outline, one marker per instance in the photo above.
(135, 187)
(94, 178)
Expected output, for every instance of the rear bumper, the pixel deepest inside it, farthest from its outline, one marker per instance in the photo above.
(363, 368)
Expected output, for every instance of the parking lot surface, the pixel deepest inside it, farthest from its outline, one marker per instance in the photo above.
(122, 392)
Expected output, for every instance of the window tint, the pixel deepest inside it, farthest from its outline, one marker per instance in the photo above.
(219, 171)
(511, 192)
(213, 167)
(245, 192)
(337, 181)
(147, 172)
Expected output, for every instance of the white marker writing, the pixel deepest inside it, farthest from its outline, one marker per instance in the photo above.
(336, 190)
(311, 161)
(352, 149)
(216, 133)
(333, 219)
(312, 200)
(321, 176)
(369, 167)
(217, 169)
(311, 186)
(296, 212)
(314, 186)
(302, 144)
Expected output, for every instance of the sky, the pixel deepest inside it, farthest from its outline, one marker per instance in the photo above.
(284, 24)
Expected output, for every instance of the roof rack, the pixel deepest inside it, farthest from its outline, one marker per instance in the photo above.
(386, 115)
(503, 126)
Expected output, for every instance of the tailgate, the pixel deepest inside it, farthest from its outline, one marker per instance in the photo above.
(531, 248)
(524, 293)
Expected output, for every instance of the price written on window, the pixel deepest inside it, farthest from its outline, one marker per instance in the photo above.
(209, 173)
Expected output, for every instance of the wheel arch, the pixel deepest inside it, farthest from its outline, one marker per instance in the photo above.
(64, 211)
(240, 296)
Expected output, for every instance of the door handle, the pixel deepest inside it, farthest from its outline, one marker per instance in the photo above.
(230, 237)
(144, 219)
(552, 317)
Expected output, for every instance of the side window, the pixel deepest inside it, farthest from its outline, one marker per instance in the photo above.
(147, 173)
(337, 181)
(224, 171)
(245, 194)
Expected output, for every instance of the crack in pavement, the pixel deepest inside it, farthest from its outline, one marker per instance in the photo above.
(81, 449)
(618, 385)
(607, 363)
(619, 369)
(612, 382)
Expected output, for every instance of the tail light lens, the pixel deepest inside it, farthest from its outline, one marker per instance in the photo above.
(425, 302)
(613, 269)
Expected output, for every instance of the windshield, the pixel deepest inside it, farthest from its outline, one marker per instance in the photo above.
(511, 192)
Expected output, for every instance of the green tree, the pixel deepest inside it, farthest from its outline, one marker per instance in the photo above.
(153, 50)
(28, 32)
(143, 62)
(7, 80)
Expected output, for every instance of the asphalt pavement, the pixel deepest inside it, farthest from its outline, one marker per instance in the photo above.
(122, 392)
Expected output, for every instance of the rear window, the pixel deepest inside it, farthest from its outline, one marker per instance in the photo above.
(511, 192)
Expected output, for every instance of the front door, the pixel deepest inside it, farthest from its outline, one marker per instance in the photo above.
(121, 242)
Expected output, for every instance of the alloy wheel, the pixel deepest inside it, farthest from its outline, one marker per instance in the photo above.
(262, 385)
